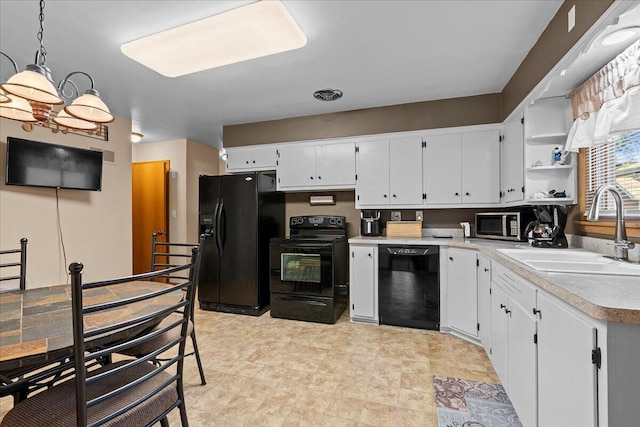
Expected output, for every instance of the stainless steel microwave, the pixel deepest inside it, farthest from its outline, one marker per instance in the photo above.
(503, 225)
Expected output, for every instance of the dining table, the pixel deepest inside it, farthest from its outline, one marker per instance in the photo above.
(36, 324)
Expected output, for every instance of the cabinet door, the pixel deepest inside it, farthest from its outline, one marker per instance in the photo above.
(363, 294)
(481, 167)
(372, 165)
(462, 291)
(336, 164)
(499, 334)
(238, 158)
(263, 157)
(512, 161)
(297, 166)
(484, 301)
(566, 376)
(405, 171)
(523, 363)
(442, 174)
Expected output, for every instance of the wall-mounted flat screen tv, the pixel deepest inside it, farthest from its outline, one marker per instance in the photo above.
(39, 164)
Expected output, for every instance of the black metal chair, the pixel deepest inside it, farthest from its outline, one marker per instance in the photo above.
(166, 255)
(20, 266)
(132, 392)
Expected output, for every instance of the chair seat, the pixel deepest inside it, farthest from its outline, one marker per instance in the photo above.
(57, 406)
(163, 339)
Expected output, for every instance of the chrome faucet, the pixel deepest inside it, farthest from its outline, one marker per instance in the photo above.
(621, 245)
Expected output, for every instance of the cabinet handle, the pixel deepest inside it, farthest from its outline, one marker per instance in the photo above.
(369, 255)
(536, 311)
(311, 177)
(467, 194)
(253, 161)
(395, 195)
(247, 161)
(385, 196)
(457, 194)
(451, 258)
(319, 177)
(507, 311)
(486, 270)
(503, 306)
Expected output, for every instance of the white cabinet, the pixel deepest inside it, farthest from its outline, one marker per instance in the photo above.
(363, 283)
(314, 167)
(484, 301)
(566, 376)
(462, 168)
(513, 341)
(462, 291)
(389, 172)
(546, 124)
(512, 160)
(251, 158)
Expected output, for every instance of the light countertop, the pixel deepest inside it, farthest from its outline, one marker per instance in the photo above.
(606, 297)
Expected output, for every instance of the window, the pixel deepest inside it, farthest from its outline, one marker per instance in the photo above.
(618, 163)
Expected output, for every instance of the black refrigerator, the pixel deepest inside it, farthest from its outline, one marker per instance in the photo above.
(239, 214)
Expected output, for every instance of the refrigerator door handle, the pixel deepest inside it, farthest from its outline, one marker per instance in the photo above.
(216, 220)
(223, 226)
(219, 241)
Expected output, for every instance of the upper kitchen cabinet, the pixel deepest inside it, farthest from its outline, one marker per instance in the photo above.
(320, 166)
(389, 172)
(462, 169)
(251, 158)
(512, 160)
(546, 124)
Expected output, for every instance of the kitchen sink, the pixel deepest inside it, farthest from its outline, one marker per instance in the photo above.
(571, 261)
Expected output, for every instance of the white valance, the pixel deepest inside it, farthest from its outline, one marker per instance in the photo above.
(608, 103)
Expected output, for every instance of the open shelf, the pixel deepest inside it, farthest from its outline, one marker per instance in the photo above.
(552, 200)
(547, 138)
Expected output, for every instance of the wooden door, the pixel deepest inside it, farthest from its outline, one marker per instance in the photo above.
(150, 209)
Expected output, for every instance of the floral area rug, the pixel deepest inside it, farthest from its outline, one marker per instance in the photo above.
(466, 403)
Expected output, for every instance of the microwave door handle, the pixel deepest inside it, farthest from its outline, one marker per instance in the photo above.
(504, 225)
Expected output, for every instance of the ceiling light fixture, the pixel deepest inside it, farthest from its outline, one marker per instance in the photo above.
(136, 137)
(252, 31)
(327, 94)
(29, 96)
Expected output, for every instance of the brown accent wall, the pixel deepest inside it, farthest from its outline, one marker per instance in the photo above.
(552, 45)
(472, 110)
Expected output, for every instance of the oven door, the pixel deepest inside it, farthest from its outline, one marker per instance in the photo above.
(302, 268)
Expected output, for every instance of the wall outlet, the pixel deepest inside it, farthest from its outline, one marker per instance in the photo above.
(419, 216)
(395, 216)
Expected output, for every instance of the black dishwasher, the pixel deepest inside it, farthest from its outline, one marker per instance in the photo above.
(409, 286)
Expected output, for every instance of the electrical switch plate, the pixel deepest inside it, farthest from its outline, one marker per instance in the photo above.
(173, 174)
(395, 216)
(419, 216)
(571, 18)
(174, 213)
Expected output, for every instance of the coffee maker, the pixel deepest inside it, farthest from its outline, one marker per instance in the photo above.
(370, 223)
(548, 229)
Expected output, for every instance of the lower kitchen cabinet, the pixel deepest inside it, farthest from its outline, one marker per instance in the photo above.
(513, 341)
(363, 283)
(566, 375)
(462, 291)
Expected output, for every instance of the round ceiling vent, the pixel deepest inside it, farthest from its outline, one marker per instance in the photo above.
(327, 94)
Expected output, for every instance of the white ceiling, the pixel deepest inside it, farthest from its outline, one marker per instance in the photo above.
(377, 52)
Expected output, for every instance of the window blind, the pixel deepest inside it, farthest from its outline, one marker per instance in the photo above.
(616, 162)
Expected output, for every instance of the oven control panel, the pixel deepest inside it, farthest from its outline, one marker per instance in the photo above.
(319, 221)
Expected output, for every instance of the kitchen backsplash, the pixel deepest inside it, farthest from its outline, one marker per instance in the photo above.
(602, 246)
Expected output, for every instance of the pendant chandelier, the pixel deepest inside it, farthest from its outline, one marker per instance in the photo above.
(29, 96)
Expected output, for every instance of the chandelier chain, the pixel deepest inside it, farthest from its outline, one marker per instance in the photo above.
(43, 51)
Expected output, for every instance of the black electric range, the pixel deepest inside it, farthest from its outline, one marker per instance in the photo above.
(309, 270)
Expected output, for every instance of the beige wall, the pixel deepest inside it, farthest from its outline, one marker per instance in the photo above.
(298, 204)
(96, 226)
(188, 159)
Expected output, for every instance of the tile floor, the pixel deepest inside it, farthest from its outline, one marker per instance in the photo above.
(263, 371)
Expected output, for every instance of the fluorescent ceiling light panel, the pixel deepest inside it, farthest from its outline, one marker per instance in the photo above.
(252, 31)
